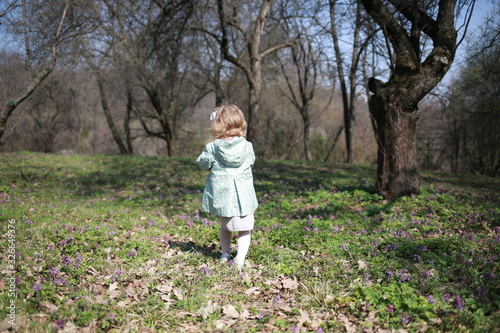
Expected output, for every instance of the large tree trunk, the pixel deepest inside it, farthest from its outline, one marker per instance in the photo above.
(394, 105)
(397, 144)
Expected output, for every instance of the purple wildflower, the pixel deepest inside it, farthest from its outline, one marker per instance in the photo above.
(392, 247)
(404, 276)
(389, 274)
(59, 281)
(446, 297)
(132, 253)
(320, 330)
(458, 303)
(59, 324)
(66, 260)
(205, 270)
(390, 308)
(430, 298)
(404, 319)
(294, 329)
(277, 299)
(425, 275)
(37, 286)
(367, 279)
(189, 224)
(54, 271)
(78, 260)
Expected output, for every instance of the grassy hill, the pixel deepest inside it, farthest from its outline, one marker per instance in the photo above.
(116, 243)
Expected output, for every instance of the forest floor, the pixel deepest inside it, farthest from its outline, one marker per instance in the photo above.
(101, 243)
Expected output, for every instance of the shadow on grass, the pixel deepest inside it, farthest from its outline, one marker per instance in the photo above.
(211, 251)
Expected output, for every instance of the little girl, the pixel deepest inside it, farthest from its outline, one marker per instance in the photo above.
(229, 192)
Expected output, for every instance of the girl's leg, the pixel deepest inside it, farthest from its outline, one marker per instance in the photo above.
(225, 243)
(244, 238)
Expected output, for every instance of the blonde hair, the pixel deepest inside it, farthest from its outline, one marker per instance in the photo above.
(229, 121)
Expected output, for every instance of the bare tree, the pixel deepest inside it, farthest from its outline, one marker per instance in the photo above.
(394, 104)
(247, 56)
(305, 68)
(349, 80)
(38, 67)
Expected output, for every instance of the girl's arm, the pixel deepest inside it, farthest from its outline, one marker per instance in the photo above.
(206, 159)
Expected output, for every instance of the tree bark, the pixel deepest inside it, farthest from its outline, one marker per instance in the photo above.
(343, 84)
(109, 118)
(394, 105)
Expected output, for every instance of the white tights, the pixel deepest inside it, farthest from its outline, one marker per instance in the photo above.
(244, 238)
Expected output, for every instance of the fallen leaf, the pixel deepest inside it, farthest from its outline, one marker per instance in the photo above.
(230, 311)
(207, 310)
(49, 306)
(165, 288)
(361, 264)
(113, 286)
(179, 294)
(349, 327)
(252, 291)
(303, 318)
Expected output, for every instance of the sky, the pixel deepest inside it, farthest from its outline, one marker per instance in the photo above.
(482, 9)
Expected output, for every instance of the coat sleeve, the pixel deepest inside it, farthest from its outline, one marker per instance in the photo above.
(251, 154)
(206, 159)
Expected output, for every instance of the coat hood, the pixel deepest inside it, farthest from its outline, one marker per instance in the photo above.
(231, 154)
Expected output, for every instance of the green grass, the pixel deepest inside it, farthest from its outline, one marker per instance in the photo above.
(111, 243)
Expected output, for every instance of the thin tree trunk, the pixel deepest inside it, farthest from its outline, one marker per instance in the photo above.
(126, 122)
(343, 85)
(307, 150)
(109, 117)
(337, 136)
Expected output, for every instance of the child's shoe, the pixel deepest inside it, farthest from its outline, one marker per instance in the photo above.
(225, 257)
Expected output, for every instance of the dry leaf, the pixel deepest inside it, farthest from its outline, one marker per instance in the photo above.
(114, 294)
(349, 327)
(113, 286)
(207, 310)
(165, 288)
(179, 294)
(252, 291)
(230, 311)
(49, 306)
(361, 264)
(303, 318)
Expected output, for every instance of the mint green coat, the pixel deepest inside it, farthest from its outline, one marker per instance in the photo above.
(229, 190)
